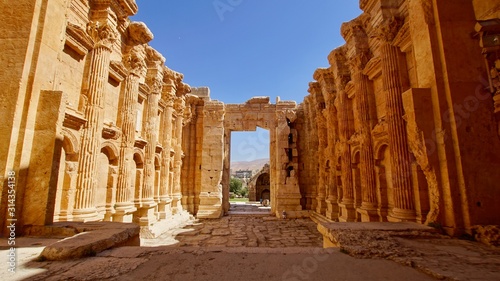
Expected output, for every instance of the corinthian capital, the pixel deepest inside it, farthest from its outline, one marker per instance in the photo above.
(102, 34)
(387, 30)
(134, 60)
(179, 105)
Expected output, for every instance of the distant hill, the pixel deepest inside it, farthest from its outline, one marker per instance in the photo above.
(254, 165)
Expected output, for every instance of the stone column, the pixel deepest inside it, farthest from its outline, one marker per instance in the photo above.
(404, 209)
(179, 106)
(164, 200)
(327, 82)
(104, 37)
(341, 73)
(320, 121)
(124, 199)
(367, 162)
(155, 83)
(313, 150)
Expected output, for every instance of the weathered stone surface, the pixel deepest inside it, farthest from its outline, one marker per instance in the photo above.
(402, 126)
(91, 239)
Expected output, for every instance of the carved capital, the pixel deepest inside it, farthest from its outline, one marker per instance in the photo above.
(102, 34)
(387, 30)
(155, 82)
(314, 88)
(179, 105)
(134, 60)
(358, 61)
(154, 58)
(168, 95)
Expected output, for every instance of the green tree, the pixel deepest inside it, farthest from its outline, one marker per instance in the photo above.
(244, 192)
(235, 185)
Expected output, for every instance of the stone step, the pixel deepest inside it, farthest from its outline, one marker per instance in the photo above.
(90, 239)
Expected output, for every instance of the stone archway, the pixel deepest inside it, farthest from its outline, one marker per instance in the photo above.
(219, 121)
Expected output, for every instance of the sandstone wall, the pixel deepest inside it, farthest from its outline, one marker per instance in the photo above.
(406, 119)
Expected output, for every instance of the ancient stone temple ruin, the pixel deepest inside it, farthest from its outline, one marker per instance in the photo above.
(402, 125)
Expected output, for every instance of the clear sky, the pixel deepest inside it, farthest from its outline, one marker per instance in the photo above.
(246, 48)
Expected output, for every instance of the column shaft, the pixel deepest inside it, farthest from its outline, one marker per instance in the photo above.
(91, 134)
(400, 154)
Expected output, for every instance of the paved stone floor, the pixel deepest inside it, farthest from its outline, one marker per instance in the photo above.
(260, 247)
(243, 231)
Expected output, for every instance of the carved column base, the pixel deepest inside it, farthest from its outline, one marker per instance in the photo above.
(164, 209)
(332, 209)
(176, 204)
(368, 214)
(347, 212)
(87, 215)
(124, 212)
(145, 216)
(63, 216)
(399, 215)
(321, 204)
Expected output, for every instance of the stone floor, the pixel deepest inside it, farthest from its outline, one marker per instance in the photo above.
(262, 247)
(243, 231)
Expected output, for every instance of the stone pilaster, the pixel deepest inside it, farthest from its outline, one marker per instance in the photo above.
(212, 161)
(104, 36)
(404, 209)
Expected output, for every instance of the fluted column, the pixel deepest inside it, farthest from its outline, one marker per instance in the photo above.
(124, 200)
(367, 161)
(322, 144)
(320, 128)
(332, 211)
(154, 80)
(313, 149)
(104, 37)
(166, 140)
(400, 155)
(341, 74)
(347, 202)
(151, 136)
(176, 192)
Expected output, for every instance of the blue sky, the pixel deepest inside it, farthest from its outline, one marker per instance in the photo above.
(246, 48)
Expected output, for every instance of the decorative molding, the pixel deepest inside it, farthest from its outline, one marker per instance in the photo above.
(158, 148)
(111, 132)
(124, 8)
(380, 130)
(403, 38)
(77, 39)
(74, 120)
(143, 91)
(373, 68)
(117, 71)
(140, 143)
